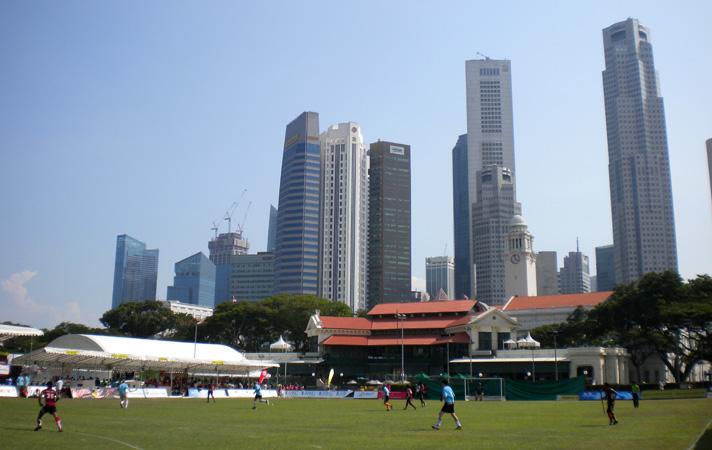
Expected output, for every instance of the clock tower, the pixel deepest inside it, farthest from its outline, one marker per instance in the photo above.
(519, 260)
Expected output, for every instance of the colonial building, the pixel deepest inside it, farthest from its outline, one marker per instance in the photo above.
(519, 259)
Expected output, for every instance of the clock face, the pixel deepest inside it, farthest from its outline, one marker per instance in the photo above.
(514, 258)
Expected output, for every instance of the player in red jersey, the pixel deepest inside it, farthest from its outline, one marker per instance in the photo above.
(48, 401)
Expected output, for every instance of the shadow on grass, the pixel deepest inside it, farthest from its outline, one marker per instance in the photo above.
(705, 441)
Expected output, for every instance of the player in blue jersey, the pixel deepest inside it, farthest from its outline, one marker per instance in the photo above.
(448, 397)
(387, 397)
(123, 394)
(258, 396)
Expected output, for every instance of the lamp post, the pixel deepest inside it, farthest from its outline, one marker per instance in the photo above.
(556, 361)
(401, 318)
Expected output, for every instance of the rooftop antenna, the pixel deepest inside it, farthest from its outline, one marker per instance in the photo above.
(484, 56)
(231, 210)
(577, 245)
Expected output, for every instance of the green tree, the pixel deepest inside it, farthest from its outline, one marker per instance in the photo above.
(140, 319)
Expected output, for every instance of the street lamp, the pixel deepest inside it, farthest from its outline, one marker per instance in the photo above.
(401, 317)
(556, 361)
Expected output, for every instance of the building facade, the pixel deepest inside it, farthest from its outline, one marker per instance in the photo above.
(200, 313)
(194, 281)
(272, 229)
(389, 229)
(344, 216)
(135, 271)
(461, 220)
(605, 268)
(252, 277)
(547, 273)
(491, 171)
(638, 163)
(297, 251)
(440, 275)
(519, 260)
(222, 248)
(574, 276)
(491, 216)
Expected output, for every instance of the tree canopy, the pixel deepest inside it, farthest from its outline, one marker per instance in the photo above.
(140, 319)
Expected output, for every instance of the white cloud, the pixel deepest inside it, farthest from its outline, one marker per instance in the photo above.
(22, 308)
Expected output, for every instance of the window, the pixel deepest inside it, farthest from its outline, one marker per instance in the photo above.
(484, 341)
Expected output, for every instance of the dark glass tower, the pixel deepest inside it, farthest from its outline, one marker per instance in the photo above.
(194, 281)
(638, 164)
(297, 241)
(135, 271)
(461, 213)
(389, 223)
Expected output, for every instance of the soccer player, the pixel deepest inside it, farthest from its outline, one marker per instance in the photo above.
(48, 401)
(635, 390)
(258, 396)
(211, 393)
(478, 392)
(421, 393)
(448, 396)
(610, 395)
(387, 397)
(123, 394)
(409, 398)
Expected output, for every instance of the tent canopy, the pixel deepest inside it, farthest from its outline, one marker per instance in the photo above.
(11, 331)
(281, 344)
(113, 352)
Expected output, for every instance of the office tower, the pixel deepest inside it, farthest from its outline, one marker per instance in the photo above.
(709, 162)
(252, 277)
(547, 273)
(297, 251)
(491, 214)
(440, 276)
(638, 165)
(490, 159)
(605, 268)
(344, 216)
(594, 283)
(389, 223)
(135, 271)
(461, 220)
(222, 249)
(194, 281)
(519, 260)
(272, 229)
(574, 276)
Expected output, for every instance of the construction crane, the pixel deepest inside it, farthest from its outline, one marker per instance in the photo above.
(241, 225)
(484, 56)
(231, 210)
(215, 228)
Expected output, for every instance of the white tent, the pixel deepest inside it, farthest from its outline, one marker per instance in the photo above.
(112, 352)
(11, 331)
(280, 344)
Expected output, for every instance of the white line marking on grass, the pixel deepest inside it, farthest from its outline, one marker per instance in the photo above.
(699, 436)
(110, 439)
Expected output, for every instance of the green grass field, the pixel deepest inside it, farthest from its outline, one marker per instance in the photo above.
(352, 424)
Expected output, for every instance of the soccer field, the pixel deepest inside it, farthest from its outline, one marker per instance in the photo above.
(353, 424)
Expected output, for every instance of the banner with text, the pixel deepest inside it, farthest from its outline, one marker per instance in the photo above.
(316, 394)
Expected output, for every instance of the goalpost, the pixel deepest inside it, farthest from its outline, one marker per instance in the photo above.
(492, 388)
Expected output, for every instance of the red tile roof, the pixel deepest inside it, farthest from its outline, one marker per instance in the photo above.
(431, 307)
(557, 301)
(345, 323)
(414, 323)
(371, 341)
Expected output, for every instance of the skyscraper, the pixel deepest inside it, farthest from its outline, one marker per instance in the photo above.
(194, 281)
(344, 216)
(440, 275)
(547, 273)
(297, 249)
(135, 271)
(491, 171)
(272, 229)
(389, 229)
(222, 249)
(461, 220)
(605, 268)
(574, 276)
(252, 277)
(638, 165)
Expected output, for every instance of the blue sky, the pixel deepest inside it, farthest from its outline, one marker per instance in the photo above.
(150, 118)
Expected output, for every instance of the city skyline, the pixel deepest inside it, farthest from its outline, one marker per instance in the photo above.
(554, 139)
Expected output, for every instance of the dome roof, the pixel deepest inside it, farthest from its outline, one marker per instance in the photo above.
(517, 220)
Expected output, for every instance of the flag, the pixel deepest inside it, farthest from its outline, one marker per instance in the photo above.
(263, 374)
(331, 375)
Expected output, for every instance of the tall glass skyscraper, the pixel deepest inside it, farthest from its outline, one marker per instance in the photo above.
(574, 277)
(461, 220)
(605, 269)
(194, 281)
(135, 271)
(491, 171)
(297, 250)
(638, 164)
(389, 231)
(272, 229)
(222, 248)
(440, 275)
